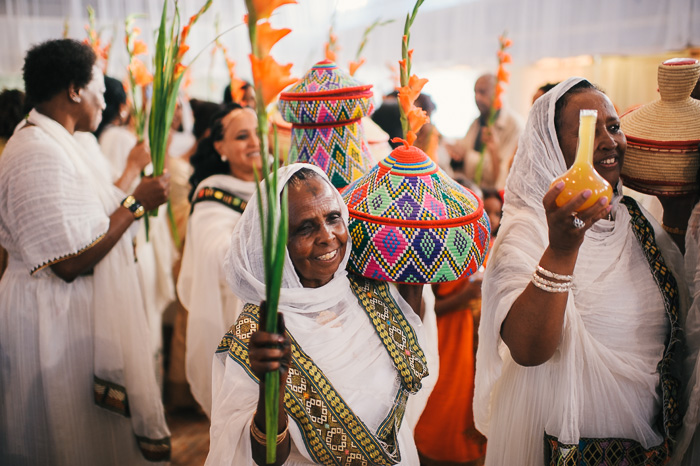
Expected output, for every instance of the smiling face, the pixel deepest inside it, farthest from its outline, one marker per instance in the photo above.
(610, 142)
(92, 102)
(240, 144)
(317, 232)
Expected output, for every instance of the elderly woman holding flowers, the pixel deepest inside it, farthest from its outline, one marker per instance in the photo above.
(342, 394)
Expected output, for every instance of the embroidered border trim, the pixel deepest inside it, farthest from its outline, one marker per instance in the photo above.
(221, 196)
(393, 329)
(111, 396)
(667, 367)
(155, 450)
(67, 256)
(332, 433)
(603, 452)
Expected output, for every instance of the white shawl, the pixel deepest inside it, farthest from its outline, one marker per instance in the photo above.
(212, 307)
(329, 325)
(121, 331)
(602, 380)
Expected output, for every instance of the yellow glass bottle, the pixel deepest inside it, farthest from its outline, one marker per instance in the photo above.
(582, 175)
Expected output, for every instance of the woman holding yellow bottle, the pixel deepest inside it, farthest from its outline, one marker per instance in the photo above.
(581, 305)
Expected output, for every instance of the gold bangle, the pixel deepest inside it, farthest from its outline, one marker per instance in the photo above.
(673, 230)
(260, 436)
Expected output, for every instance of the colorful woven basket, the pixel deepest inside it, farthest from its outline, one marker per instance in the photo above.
(662, 155)
(411, 223)
(325, 109)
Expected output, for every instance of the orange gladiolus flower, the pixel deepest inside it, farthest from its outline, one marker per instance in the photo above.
(179, 69)
(417, 118)
(503, 75)
(505, 42)
(412, 91)
(270, 76)
(410, 138)
(354, 65)
(140, 48)
(182, 50)
(264, 8)
(497, 104)
(402, 64)
(504, 57)
(330, 54)
(267, 37)
(405, 101)
(141, 75)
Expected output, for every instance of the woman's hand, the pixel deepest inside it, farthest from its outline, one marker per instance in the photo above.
(139, 157)
(270, 351)
(153, 191)
(564, 237)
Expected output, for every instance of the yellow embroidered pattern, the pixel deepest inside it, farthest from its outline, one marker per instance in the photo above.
(333, 435)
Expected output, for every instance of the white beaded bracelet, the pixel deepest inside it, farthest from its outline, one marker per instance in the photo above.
(549, 286)
(556, 276)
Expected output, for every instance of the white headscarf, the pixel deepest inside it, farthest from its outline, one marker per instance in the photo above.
(244, 263)
(601, 380)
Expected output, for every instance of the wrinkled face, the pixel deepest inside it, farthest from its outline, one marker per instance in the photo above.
(484, 92)
(318, 234)
(610, 142)
(92, 102)
(240, 144)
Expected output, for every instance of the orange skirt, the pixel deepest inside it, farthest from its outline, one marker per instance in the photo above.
(445, 431)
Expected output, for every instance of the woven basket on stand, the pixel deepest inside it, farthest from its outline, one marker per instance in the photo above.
(662, 155)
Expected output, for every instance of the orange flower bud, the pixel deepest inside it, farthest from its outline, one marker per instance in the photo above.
(179, 69)
(330, 54)
(354, 65)
(410, 138)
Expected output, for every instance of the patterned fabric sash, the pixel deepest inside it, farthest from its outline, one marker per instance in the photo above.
(603, 452)
(333, 434)
(625, 452)
(113, 397)
(221, 196)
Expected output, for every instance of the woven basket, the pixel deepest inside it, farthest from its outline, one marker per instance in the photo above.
(662, 155)
(411, 223)
(325, 109)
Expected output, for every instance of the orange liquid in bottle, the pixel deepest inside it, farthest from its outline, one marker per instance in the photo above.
(582, 175)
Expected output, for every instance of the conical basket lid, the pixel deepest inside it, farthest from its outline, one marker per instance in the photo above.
(411, 223)
(662, 155)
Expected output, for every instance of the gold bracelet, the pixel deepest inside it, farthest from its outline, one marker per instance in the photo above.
(260, 436)
(673, 230)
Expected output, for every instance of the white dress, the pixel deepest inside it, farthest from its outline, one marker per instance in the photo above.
(602, 381)
(48, 415)
(212, 307)
(155, 256)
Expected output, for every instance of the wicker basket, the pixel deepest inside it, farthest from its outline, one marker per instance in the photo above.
(411, 223)
(662, 155)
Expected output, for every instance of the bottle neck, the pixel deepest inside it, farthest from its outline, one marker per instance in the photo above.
(586, 139)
